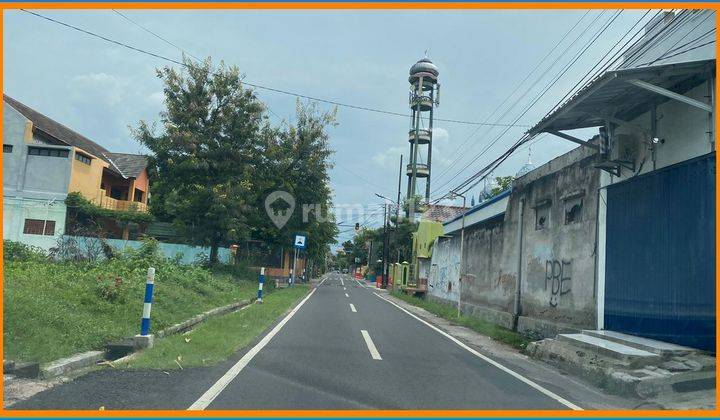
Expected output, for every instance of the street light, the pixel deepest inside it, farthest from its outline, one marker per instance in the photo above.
(454, 195)
(386, 242)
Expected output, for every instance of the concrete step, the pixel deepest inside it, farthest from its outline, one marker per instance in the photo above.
(653, 346)
(609, 348)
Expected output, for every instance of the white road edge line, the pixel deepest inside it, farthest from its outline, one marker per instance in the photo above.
(370, 345)
(342, 282)
(346, 295)
(507, 370)
(344, 288)
(352, 308)
(323, 281)
(209, 396)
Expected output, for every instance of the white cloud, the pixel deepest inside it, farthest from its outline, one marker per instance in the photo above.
(107, 88)
(388, 157)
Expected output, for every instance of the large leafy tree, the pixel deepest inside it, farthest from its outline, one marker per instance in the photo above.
(206, 154)
(295, 160)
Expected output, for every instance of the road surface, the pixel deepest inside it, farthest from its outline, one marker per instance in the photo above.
(345, 347)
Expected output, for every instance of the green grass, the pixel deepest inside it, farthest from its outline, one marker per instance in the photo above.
(218, 338)
(53, 310)
(449, 312)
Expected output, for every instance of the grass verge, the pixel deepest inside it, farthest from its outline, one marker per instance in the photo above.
(217, 339)
(449, 312)
(55, 309)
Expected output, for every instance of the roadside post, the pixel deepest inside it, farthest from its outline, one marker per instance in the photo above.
(145, 339)
(299, 243)
(260, 285)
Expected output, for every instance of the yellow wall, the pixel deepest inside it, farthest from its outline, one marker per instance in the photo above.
(86, 178)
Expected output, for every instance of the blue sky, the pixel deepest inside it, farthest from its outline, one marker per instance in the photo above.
(357, 57)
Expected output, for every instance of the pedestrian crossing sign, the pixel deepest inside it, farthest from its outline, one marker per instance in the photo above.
(300, 241)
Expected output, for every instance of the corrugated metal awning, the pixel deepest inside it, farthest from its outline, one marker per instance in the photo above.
(611, 95)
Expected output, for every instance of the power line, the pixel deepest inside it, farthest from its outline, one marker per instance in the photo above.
(268, 88)
(537, 98)
(155, 34)
(557, 44)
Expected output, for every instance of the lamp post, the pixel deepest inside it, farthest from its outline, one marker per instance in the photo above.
(386, 242)
(454, 195)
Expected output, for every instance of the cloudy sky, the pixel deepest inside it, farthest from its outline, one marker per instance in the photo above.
(356, 57)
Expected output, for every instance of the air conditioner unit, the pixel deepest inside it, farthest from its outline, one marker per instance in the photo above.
(624, 149)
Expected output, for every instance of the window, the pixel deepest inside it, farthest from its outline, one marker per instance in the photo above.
(573, 210)
(43, 151)
(83, 158)
(36, 227)
(542, 215)
(7, 148)
(138, 195)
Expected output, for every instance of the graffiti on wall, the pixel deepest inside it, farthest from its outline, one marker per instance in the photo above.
(558, 278)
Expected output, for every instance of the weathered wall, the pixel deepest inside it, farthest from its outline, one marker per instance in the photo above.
(558, 256)
(445, 269)
(558, 283)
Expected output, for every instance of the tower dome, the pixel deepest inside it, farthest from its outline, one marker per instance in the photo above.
(526, 167)
(424, 65)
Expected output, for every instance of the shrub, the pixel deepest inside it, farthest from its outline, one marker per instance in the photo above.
(17, 251)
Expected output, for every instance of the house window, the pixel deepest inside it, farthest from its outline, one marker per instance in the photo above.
(573, 210)
(36, 227)
(43, 151)
(138, 195)
(7, 148)
(83, 158)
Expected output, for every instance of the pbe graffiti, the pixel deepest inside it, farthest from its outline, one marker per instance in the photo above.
(557, 274)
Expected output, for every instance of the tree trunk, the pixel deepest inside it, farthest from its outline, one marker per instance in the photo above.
(214, 245)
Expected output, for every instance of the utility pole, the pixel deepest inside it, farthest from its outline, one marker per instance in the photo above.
(386, 242)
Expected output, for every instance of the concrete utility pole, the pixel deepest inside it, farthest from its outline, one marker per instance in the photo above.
(462, 243)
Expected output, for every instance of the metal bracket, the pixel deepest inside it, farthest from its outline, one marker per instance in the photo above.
(670, 94)
(575, 140)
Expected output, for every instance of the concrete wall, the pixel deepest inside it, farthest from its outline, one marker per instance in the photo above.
(557, 265)
(16, 210)
(445, 269)
(558, 283)
(34, 187)
(189, 254)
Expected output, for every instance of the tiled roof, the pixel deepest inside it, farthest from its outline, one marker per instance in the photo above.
(130, 165)
(60, 132)
(440, 213)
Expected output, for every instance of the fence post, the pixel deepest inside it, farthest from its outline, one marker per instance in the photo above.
(145, 339)
(260, 285)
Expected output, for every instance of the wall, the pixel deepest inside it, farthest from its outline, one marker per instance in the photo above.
(16, 210)
(685, 131)
(445, 269)
(558, 283)
(189, 254)
(41, 177)
(84, 178)
(557, 277)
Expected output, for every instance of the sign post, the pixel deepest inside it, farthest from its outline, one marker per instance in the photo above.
(300, 242)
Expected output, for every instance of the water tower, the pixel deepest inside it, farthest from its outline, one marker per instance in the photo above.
(424, 97)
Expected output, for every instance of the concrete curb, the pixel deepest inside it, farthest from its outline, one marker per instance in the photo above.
(189, 323)
(90, 358)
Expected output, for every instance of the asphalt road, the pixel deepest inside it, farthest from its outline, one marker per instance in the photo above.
(344, 348)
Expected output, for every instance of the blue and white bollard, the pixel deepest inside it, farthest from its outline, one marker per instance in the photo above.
(145, 339)
(260, 285)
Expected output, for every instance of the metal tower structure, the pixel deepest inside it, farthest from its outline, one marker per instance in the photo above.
(424, 97)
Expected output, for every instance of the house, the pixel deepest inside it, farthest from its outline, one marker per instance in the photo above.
(44, 160)
(619, 233)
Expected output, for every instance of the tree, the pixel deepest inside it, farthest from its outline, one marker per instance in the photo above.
(206, 155)
(503, 183)
(296, 160)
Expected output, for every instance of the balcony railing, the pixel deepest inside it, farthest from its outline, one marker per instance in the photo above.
(110, 203)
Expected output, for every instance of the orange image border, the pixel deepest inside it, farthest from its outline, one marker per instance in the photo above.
(385, 6)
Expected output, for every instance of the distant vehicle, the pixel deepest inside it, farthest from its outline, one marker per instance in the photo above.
(345, 270)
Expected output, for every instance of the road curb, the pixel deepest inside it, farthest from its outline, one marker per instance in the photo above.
(87, 359)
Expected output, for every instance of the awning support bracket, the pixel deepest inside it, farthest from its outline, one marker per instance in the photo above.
(670, 94)
(575, 140)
